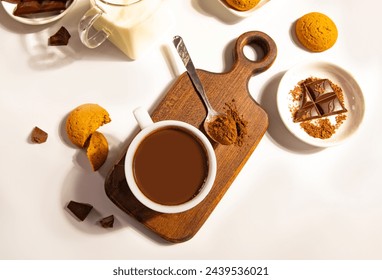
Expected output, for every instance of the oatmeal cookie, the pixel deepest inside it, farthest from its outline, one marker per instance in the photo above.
(316, 32)
(83, 121)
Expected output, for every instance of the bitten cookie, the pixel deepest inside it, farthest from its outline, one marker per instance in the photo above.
(97, 150)
(84, 121)
(242, 5)
(316, 32)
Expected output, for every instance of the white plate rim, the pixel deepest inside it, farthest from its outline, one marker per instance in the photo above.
(354, 100)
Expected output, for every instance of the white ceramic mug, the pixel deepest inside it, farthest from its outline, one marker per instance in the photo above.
(148, 127)
(131, 25)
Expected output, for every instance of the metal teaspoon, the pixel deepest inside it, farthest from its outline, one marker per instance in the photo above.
(218, 126)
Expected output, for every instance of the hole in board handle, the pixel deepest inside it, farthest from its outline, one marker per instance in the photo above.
(253, 52)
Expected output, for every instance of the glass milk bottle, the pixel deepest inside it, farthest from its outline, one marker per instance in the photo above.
(134, 26)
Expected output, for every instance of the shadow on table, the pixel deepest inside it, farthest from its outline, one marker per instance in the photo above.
(84, 185)
(277, 131)
(34, 40)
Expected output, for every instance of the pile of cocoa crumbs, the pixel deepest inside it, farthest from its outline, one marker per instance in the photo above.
(241, 124)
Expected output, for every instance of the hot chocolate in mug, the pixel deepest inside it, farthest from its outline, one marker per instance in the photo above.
(170, 165)
(133, 26)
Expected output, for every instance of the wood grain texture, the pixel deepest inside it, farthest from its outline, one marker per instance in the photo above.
(184, 104)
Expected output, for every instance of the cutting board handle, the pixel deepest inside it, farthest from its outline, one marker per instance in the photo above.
(254, 39)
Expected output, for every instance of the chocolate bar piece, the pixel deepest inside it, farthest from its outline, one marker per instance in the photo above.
(38, 135)
(79, 209)
(35, 6)
(107, 222)
(60, 38)
(319, 100)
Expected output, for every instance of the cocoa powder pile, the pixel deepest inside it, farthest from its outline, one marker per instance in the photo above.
(241, 124)
(223, 129)
(229, 129)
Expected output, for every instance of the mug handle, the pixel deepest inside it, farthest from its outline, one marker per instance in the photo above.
(143, 118)
(84, 26)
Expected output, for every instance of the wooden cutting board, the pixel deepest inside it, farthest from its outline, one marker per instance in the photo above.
(183, 103)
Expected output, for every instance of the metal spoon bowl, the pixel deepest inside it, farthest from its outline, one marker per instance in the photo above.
(219, 126)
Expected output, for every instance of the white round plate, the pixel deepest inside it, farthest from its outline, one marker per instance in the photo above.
(243, 13)
(353, 97)
(37, 19)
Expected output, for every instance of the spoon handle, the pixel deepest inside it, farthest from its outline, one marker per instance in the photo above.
(191, 71)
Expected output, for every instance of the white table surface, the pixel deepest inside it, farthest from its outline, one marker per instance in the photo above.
(290, 201)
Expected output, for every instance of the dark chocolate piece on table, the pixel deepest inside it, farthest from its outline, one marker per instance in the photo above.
(38, 135)
(79, 209)
(60, 38)
(107, 222)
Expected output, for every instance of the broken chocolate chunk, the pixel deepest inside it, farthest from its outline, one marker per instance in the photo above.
(29, 7)
(38, 135)
(79, 209)
(319, 99)
(107, 222)
(60, 38)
